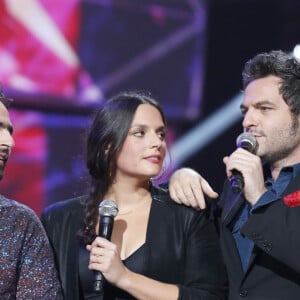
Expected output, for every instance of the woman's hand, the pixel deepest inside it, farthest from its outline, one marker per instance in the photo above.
(105, 257)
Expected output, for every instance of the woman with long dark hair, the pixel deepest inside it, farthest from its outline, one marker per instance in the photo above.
(158, 249)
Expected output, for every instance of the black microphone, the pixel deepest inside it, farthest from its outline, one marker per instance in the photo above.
(108, 209)
(248, 142)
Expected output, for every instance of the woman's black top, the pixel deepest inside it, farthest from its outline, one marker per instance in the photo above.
(134, 262)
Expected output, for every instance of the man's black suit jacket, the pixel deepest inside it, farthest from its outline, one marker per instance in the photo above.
(274, 268)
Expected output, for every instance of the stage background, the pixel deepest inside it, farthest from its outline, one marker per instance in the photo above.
(60, 60)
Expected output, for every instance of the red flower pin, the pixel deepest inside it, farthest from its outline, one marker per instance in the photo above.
(293, 199)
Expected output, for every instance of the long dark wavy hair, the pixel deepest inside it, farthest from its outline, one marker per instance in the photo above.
(105, 139)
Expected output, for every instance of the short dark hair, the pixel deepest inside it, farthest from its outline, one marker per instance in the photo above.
(4, 100)
(280, 64)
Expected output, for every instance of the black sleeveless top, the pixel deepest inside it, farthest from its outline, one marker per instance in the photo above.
(135, 262)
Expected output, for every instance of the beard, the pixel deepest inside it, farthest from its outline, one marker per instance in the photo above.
(283, 144)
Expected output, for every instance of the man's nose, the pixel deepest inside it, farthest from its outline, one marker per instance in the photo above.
(249, 120)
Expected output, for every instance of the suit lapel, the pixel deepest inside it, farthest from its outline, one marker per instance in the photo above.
(231, 208)
(156, 221)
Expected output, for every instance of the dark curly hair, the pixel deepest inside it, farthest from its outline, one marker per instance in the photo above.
(105, 139)
(280, 64)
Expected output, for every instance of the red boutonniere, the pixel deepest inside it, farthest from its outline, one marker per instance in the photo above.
(293, 199)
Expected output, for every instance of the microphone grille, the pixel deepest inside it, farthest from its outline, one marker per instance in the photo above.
(108, 208)
(246, 141)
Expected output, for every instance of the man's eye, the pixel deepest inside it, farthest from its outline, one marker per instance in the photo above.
(264, 108)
